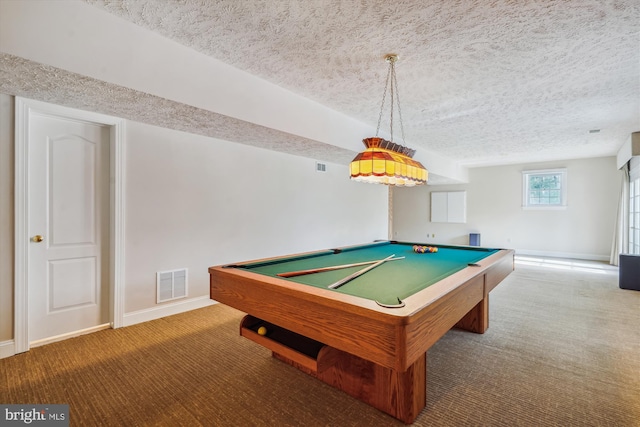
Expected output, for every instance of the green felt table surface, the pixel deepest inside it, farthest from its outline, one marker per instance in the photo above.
(386, 283)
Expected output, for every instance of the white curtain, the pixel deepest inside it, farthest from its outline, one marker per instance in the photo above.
(621, 232)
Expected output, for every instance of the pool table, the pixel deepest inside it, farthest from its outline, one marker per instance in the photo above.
(369, 336)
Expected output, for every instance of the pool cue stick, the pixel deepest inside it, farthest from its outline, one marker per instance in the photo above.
(358, 273)
(329, 268)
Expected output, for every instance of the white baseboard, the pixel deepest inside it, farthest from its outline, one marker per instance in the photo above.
(7, 349)
(68, 335)
(569, 255)
(165, 310)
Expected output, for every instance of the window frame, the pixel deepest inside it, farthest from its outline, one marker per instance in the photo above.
(526, 179)
(634, 212)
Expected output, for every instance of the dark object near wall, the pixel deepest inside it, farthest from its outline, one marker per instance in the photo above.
(629, 268)
(474, 239)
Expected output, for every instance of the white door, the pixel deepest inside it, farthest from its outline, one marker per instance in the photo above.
(68, 222)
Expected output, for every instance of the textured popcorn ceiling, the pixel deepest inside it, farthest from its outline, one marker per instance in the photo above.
(482, 82)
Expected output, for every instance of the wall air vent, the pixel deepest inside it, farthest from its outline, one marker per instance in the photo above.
(171, 285)
(321, 167)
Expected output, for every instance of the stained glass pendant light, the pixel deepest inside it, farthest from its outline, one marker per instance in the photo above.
(385, 162)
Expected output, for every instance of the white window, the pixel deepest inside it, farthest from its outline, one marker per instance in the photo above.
(544, 189)
(634, 216)
(634, 206)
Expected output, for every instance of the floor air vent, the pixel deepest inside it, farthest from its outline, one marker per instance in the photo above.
(171, 284)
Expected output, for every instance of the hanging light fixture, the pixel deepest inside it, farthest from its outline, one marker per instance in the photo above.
(385, 162)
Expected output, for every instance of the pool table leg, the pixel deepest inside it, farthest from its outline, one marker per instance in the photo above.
(477, 319)
(402, 395)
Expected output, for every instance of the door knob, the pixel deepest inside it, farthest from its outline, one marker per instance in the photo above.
(37, 238)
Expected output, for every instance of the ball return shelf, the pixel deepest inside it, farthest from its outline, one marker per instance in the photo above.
(374, 384)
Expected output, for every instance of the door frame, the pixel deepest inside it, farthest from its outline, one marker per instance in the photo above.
(23, 109)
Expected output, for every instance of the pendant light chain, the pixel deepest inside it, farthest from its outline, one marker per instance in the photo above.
(393, 75)
(391, 82)
(384, 96)
(394, 82)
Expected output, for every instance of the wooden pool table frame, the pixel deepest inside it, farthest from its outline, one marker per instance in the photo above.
(375, 354)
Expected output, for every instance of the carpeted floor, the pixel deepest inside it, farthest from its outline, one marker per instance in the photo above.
(563, 349)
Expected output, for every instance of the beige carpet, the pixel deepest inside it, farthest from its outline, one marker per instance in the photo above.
(563, 349)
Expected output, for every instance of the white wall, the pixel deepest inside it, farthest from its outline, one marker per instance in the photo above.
(494, 208)
(195, 202)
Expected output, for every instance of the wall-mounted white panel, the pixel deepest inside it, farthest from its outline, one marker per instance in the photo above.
(439, 207)
(457, 206)
(449, 206)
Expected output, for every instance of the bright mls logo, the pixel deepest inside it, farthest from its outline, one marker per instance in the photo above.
(37, 415)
